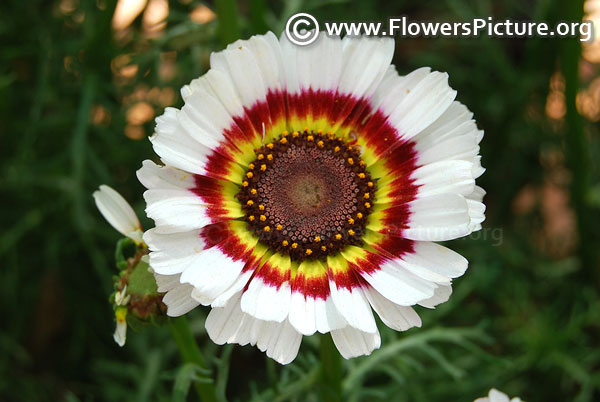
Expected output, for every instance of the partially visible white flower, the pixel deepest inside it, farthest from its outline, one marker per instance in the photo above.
(121, 300)
(120, 334)
(497, 396)
(117, 211)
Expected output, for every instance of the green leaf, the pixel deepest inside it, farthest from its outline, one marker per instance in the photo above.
(141, 280)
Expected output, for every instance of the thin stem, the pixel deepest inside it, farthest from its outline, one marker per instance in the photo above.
(331, 364)
(577, 146)
(184, 338)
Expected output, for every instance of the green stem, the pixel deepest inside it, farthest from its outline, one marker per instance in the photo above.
(184, 338)
(331, 364)
(577, 146)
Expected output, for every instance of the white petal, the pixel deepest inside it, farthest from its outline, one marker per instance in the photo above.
(353, 306)
(179, 300)
(212, 273)
(153, 176)
(120, 335)
(253, 66)
(232, 290)
(305, 67)
(265, 301)
(393, 88)
(353, 343)
(365, 61)
(441, 295)
(176, 147)
(434, 262)
(118, 212)
(164, 283)
(173, 253)
(424, 103)
(393, 315)
(438, 217)
(230, 325)
(450, 176)
(177, 208)
(398, 284)
(268, 294)
(309, 314)
(454, 122)
(497, 396)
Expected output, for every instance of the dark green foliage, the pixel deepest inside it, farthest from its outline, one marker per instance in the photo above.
(524, 318)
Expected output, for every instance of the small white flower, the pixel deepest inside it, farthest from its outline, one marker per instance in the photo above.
(120, 334)
(497, 396)
(117, 211)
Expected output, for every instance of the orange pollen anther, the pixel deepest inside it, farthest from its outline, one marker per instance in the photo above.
(361, 176)
(350, 161)
(260, 157)
(245, 183)
(351, 221)
(279, 227)
(338, 236)
(318, 239)
(249, 175)
(261, 207)
(283, 140)
(270, 157)
(336, 149)
(366, 196)
(351, 232)
(250, 202)
(359, 215)
(263, 167)
(310, 138)
(308, 251)
(367, 205)
(267, 229)
(253, 191)
(285, 243)
(263, 218)
(323, 248)
(251, 166)
(294, 245)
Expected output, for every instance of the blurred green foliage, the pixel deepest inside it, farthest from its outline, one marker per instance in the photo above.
(525, 318)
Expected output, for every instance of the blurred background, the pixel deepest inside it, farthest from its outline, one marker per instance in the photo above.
(81, 82)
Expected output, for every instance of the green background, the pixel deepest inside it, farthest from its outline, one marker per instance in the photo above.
(525, 318)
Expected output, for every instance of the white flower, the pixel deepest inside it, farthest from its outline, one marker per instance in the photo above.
(117, 211)
(304, 187)
(497, 396)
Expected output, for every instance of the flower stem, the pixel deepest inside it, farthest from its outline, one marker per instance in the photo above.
(577, 145)
(184, 338)
(331, 366)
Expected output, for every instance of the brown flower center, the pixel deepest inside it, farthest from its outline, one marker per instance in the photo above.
(308, 195)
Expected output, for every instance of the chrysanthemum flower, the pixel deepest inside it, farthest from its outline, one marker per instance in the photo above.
(497, 396)
(304, 187)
